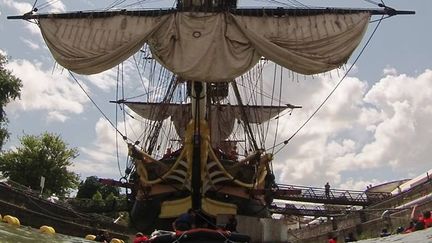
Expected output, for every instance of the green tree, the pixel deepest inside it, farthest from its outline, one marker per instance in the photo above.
(97, 199)
(110, 197)
(45, 155)
(10, 88)
(97, 196)
(91, 185)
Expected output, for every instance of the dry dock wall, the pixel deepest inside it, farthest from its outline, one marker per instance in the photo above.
(366, 230)
(259, 229)
(367, 223)
(363, 224)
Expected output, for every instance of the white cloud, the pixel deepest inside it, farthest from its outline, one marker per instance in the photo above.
(56, 7)
(101, 156)
(19, 7)
(109, 79)
(403, 137)
(56, 116)
(359, 184)
(105, 80)
(45, 91)
(390, 71)
(384, 128)
(33, 28)
(30, 44)
(24, 7)
(87, 168)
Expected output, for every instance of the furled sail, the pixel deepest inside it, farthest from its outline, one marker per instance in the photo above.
(222, 119)
(93, 45)
(208, 47)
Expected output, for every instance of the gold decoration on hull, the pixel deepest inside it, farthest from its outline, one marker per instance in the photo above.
(171, 209)
(214, 175)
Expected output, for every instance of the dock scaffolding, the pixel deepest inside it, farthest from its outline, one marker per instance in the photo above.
(335, 196)
(335, 202)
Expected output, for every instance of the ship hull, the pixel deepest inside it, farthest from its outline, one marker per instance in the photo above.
(145, 214)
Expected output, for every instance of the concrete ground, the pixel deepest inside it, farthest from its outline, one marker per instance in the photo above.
(421, 236)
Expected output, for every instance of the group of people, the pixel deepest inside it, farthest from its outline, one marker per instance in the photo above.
(104, 236)
(349, 238)
(185, 221)
(421, 222)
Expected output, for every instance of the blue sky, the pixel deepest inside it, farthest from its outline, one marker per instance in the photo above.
(375, 128)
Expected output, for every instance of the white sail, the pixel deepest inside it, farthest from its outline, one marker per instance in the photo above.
(208, 47)
(222, 116)
(93, 45)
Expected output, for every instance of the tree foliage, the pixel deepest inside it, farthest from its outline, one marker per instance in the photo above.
(45, 155)
(91, 185)
(10, 88)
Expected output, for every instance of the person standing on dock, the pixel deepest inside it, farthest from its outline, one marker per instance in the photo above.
(327, 190)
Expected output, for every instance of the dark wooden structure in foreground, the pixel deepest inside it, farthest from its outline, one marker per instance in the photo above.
(35, 211)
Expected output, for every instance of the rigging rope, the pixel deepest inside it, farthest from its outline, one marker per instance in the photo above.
(45, 5)
(373, 2)
(34, 4)
(285, 142)
(97, 107)
(116, 122)
(292, 3)
(280, 95)
(272, 97)
(288, 3)
(114, 4)
(140, 3)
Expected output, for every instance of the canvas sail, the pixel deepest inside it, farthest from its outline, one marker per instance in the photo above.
(222, 119)
(208, 47)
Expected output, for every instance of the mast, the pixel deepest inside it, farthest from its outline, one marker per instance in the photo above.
(199, 99)
(198, 113)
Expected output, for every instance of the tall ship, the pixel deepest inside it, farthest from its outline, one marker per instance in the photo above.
(209, 118)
